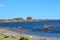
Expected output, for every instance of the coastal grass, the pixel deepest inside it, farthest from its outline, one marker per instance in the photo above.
(17, 37)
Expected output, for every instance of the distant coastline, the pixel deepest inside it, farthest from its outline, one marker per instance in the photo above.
(28, 19)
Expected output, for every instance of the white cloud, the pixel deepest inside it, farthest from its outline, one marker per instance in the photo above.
(1, 5)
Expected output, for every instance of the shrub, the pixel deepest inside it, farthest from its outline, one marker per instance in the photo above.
(22, 38)
(6, 36)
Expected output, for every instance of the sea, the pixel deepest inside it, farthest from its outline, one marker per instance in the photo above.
(35, 28)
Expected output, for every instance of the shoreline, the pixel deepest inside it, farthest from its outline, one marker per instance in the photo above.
(13, 33)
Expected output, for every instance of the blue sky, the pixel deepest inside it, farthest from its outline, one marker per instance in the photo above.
(39, 9)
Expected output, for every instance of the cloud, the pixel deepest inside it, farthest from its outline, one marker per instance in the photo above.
(1, 5)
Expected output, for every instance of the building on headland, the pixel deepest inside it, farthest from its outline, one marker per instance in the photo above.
(29, 19)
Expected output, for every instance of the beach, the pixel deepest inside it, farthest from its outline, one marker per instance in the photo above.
(17, 35)
(45, 38)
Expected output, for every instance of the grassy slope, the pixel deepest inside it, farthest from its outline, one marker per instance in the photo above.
(6, 37)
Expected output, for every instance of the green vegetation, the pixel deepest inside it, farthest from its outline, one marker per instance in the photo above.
(10, 37)
(6, 36)
(22, 38)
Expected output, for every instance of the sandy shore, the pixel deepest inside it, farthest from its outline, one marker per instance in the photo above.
(13, 33)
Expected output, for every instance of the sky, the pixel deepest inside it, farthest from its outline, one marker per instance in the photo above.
(38, 9)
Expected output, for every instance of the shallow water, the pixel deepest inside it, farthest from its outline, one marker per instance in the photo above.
(34, 28)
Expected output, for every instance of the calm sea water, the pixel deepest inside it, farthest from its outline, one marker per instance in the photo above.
(34, 28)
